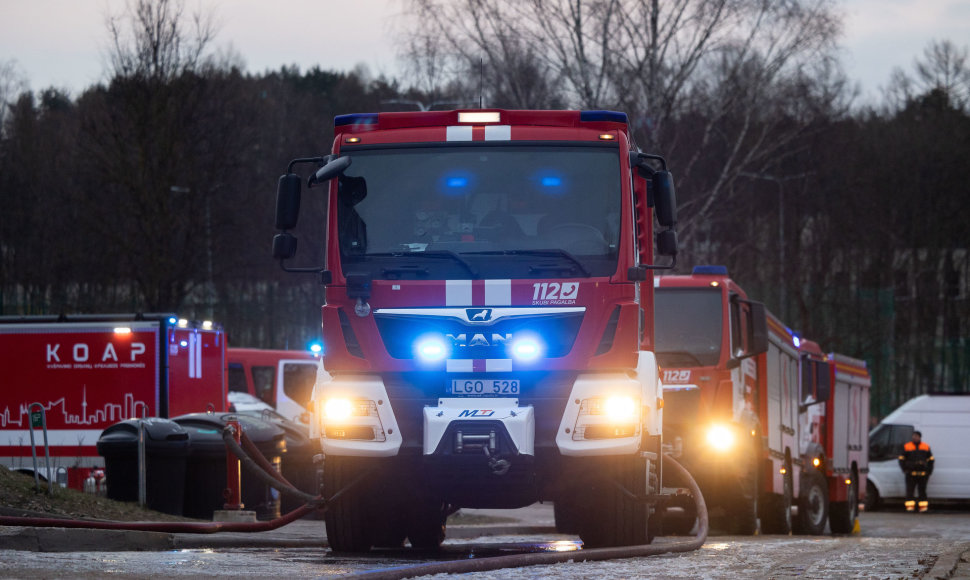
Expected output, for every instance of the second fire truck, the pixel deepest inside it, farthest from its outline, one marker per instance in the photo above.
(763, 420)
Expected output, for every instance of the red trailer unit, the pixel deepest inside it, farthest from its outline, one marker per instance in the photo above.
(91, 371)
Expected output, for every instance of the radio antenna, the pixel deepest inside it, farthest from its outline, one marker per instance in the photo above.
(481, 82)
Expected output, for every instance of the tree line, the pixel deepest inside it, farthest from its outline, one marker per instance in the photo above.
(154, 190)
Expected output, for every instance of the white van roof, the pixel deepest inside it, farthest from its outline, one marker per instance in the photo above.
(958, 403)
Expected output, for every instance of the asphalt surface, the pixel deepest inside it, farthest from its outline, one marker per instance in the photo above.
(953, 563)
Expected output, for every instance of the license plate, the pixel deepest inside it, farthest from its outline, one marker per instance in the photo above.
(490, 387)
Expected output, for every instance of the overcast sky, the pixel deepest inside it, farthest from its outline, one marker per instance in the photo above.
(62, 42)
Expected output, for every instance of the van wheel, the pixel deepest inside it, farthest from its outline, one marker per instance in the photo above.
(844, 513)
(873, 501)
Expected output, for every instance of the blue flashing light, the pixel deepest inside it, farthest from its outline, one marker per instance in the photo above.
(527, 348)
(184, 343)
(612, 116)
(710, 271)
(431, 349)
(316, 348)
(173, 320)
(455, 182)
(551, 181)
(355, 119)
(796, 341)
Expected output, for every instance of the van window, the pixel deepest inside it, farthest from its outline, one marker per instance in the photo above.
(298, 381)
(237, 378)
(263, 379)
(886, 441)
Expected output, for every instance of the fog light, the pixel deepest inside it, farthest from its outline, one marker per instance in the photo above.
(720, 437)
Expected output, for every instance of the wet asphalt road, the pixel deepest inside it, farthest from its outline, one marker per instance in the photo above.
(891, 544)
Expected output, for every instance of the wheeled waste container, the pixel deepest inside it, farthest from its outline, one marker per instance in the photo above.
(205, 473)
(166, 453)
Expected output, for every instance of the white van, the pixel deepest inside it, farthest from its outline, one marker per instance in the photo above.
(944, 420)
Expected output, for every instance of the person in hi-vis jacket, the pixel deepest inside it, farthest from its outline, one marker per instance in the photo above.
(917, 464)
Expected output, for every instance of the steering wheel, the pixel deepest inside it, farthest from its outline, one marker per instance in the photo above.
(579, 238)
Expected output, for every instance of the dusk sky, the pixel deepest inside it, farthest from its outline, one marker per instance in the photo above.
(62, 43)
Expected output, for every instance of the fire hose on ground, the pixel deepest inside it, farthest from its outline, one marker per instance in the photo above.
(264, 470)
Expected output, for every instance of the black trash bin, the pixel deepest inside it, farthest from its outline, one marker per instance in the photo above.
(166, 453)
(205, 474)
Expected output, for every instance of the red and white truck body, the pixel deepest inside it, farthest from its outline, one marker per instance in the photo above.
(763, 424)
(488, 320)
(89, 372)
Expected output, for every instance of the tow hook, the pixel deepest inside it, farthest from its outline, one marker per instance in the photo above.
(498, 466)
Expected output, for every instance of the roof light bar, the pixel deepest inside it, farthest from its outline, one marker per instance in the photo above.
(710, 270)
(613, 116)
(355, 119)
(479, 117)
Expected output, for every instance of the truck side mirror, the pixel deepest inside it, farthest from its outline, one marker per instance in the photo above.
(665, 200)
(287, 202)
(284, 246)
(667, 243)
(758, 329)
(329, 171)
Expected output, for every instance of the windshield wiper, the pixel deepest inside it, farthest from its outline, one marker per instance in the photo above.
(552, 252)
(679, 353)
(432, 254)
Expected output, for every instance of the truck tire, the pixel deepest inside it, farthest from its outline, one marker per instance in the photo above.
(744, 511)
(813, 504)
(616, 514)
(347, 517)
(679, 516)
(776, 508)
(426, 524)
(843, 514)
(567, 515)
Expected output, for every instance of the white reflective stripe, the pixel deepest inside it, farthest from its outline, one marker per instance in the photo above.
(462, 365)
(498, 365)
(656, 281)
(498, 292)
(458, 292)
(498, 132)
(21, 437)
(459, 133)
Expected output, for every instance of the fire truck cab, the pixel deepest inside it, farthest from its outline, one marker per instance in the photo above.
(488, 320)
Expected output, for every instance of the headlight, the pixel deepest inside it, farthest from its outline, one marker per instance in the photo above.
(720, 437)
(620, 409)
(338, 409)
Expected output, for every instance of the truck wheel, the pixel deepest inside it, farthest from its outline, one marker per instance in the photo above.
(616, 514)
(679, 516)
(346, 518)
(567, 515)
(844, 513)
(813, 505)
(744, 512)
(776, 508)
(426, 524)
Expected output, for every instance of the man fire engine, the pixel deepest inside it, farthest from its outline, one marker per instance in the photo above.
(762, 419)
(487, 324)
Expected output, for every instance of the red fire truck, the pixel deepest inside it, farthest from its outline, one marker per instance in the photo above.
(488, 321)
(91, 371)
(282, 379)
(763, 420)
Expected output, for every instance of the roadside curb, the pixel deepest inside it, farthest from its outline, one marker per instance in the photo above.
(948, 562)
(52, 539)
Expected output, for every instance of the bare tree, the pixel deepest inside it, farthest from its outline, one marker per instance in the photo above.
(152, 39)
(12, 84)
(727, 84)
(944, 67)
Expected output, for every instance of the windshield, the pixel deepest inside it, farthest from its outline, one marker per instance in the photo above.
(687, 325)
(510, 211)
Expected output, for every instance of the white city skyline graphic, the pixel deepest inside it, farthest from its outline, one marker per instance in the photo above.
(110, 413)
